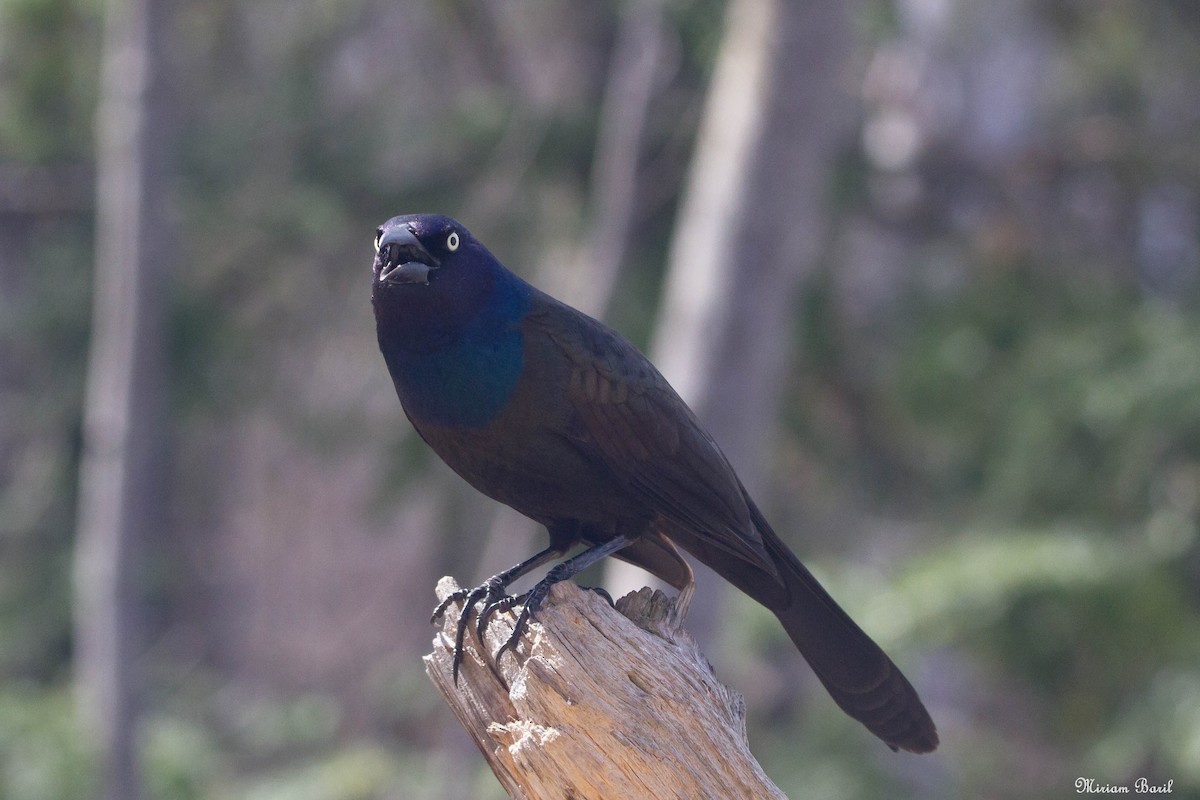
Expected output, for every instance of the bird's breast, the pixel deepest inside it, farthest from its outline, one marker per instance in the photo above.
(465, 384)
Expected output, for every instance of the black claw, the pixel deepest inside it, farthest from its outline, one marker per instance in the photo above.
(602, 592)
(521, 624)
(491, 592)
(460, 631)
(514, 637)
(500, 604)
(440, 610)
(533, 601)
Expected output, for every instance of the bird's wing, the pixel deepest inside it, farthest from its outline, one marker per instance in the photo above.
(633, 420)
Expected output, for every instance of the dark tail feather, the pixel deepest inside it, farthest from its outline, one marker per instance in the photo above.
(856, 672)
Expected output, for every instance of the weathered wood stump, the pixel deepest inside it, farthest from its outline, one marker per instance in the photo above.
(598, 703)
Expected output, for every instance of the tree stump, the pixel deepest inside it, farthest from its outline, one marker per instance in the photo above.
(598, 703)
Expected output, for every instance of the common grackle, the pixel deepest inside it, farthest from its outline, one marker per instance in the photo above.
(547, 410)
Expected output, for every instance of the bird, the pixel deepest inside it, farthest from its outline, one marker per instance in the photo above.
(553, 413)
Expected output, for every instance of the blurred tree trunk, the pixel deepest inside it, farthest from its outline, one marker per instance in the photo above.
(124, 423)
(635, 68)
(750, 228)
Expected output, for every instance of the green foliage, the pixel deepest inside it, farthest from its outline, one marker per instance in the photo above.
(1043, 399)
(48, 47)
(42, 754)
(43, 335)
(358, 772)
(180, 759)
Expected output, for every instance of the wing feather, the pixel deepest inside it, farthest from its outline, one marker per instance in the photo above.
(650, 440)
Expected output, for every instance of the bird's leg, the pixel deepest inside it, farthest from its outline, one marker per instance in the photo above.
(560, 572)
(496, 584)
(563, 536)
(492, 593)
(499, 600)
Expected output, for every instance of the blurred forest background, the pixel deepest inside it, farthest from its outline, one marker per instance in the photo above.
(929, 269)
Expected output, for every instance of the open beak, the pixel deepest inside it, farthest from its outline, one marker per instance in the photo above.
(402, 258)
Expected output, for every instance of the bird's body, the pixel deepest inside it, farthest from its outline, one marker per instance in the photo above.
(556, 415)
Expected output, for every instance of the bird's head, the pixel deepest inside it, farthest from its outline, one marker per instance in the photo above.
(433, 281)
(418, 249)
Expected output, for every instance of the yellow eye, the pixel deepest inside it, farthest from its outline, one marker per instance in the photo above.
(378, 236)
(452, 241)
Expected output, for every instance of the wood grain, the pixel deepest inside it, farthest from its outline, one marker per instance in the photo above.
(599, 703)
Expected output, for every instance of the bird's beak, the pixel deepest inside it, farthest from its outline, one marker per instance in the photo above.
(402, 258)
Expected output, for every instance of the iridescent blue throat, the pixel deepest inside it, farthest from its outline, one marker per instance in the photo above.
(456, 355)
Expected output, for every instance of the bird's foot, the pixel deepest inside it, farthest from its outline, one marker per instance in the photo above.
(491, 605)
(492, 593)
(532, 602)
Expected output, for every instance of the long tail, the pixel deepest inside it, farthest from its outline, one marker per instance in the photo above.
(859, 676)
